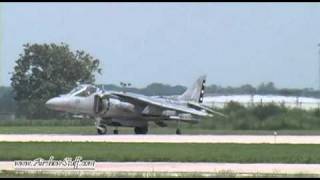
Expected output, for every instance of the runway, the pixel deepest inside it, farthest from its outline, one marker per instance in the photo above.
(243, 139)
(171, 167)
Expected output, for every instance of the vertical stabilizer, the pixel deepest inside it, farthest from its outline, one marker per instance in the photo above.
(195, 92)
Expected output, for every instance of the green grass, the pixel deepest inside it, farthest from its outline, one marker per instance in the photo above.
(14, 174)
(162, 152)
(46, 122)
(48, 130)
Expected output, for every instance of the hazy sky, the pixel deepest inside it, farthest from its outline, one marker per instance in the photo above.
(174, 43)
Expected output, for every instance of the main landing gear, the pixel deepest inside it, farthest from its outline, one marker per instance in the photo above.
(141, 130)
(102, 130)
(178, 131)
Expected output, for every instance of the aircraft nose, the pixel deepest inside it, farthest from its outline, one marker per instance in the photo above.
(55, 103)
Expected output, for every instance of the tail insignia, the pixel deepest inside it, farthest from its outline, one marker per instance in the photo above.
(202, 91)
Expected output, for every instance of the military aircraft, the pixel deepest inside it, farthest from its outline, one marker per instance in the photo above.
(110, 108)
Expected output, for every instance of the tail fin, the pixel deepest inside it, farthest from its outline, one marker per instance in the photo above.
(195, 92)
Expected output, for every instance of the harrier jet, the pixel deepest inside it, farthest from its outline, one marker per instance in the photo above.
(117, 109)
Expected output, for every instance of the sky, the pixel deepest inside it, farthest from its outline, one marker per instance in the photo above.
(174, 43)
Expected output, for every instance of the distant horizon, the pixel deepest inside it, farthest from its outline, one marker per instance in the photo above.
(186, 86)
(174, 43)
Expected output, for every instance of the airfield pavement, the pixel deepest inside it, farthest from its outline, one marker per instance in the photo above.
(243, 139)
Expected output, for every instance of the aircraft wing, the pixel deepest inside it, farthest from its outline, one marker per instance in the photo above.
(136, 99)
(200, 106)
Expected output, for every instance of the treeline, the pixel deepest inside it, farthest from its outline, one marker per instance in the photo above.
(262, 89)
(153, 89)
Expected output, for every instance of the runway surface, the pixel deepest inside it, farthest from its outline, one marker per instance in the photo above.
(109, 167)
(245, 139)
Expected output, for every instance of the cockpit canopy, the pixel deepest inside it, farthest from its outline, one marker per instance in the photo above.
(83, 90)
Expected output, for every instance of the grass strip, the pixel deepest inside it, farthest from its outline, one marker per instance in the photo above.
(163, 152)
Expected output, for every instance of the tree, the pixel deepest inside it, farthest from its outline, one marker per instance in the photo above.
(247, 89)
(47, 70)
(7, 103)
(267, 88)
(162, 89)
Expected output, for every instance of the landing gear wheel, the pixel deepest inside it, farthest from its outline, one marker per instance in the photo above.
(178, 131)
(115, 131)
(102, 129)
(141, 130)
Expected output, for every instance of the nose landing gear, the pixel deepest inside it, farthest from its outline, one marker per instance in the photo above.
(102, 129)
(115, 131)
(178, 131)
